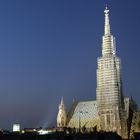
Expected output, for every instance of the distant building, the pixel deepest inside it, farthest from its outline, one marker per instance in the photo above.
(110, 112)
(31, 130)
(16, 127)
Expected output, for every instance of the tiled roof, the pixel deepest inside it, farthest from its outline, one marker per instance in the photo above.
(85, 112)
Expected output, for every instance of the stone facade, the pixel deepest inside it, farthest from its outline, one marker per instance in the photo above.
(85, 114)
(135, 125)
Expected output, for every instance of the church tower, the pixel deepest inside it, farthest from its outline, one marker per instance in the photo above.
(61, 117)
(110, 104)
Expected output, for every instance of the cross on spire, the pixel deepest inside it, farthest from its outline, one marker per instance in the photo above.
(107, 25)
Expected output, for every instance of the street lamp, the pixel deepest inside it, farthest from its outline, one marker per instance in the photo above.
(80, 112)
(79, 121)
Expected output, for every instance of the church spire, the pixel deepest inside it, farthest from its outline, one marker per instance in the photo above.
(62, 101)
(62, 116)
(108, 41)
(107, 25)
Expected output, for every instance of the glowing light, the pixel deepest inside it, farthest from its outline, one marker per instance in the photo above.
(43, 132)
(16, 127)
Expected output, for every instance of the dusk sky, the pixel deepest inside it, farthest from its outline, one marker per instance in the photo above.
(49, 49)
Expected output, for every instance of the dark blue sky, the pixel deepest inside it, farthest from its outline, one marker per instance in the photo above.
(49, 49)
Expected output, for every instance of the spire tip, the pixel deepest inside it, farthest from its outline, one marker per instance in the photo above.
(106, 11)
(62, 100)
(106, 7)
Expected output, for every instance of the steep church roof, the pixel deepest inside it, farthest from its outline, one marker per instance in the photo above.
(83, 112)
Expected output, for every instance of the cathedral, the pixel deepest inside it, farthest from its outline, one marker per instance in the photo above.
(111, 111)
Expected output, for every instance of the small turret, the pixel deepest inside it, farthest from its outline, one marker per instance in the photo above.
(61, 117)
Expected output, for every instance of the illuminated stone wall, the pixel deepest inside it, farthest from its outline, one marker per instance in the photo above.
(135, 126)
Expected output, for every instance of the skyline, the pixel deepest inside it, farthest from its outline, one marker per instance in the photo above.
(49, 49)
